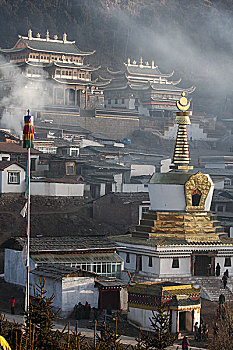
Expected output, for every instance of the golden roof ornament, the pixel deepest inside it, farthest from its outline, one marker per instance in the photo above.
(183, 104)
(181, 157)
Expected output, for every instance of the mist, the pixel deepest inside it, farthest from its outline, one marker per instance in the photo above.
(200, 51)
(20, 94)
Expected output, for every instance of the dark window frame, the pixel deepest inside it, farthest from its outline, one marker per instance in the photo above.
(18, 178)
(150, 261)
(227, 262)
(175, 263)
(127, 260)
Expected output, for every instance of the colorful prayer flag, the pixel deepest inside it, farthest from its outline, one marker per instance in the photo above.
(4, 344)
(28, 131)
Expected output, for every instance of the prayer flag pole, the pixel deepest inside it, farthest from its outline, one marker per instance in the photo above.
(28, 138)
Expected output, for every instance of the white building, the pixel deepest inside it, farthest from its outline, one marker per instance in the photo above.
(12, 177)
(182, 303)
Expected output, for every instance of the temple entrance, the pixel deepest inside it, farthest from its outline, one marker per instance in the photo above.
(186, 321)
(203, 265)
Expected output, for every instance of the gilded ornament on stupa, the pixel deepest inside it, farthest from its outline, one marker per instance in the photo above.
(181, 157)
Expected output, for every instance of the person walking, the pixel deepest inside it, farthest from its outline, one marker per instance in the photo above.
(218, 268)
(185, 343)
(196, 331)
(12, 304)
(224, 279)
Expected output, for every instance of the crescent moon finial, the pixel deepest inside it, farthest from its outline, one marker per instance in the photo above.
(183, 104)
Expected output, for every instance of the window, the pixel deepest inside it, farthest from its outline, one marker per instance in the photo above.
(150, 262)
(123, 101)
(58, 71)
(70, 73)
(116, 101)
(14, 177)
(33, 164)
(139, 263)
(109, 101)
(63, 72)
(175, 263)
(220, 208)
(70, 169)
(127, 258)
(74, 152)
(227, 262)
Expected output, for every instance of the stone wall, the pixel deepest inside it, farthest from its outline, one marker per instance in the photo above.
(117, 127)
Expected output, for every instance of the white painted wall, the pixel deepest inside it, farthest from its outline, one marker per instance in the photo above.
(12, 188)
(219, 185)
(166, 269)
(102, 189)
(142, 169)
(140, 317)
(124, 299)
(118, 181)
(161, 199)
(134, 188)
(52, 286)
(14, 268)
(221, 261)
(5, 155)
(56, 189)
(86, 143)
(78, 289)
(165, 165)
(193, 130)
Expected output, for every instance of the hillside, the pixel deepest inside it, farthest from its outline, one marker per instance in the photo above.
(192, 37)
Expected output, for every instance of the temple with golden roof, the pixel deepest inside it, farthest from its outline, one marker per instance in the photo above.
(179, 236)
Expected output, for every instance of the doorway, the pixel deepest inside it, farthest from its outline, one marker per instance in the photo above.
(186, 321)
(109, 298)
(203, 265)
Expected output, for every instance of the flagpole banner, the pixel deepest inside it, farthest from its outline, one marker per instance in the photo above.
(28, 131)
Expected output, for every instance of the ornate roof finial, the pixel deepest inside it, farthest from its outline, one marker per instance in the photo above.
(47, 35)
(64, 37)
(29, 34)
(183, 104)
(128, 60)
(141, 61)
(181, 157)
(153, 64)
(55, 37)
(38, 35)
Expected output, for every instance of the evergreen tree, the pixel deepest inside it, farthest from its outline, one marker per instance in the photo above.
(40, 320)
(223, 328)
(161, 336)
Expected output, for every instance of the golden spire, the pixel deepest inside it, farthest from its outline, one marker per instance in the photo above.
(181, 157)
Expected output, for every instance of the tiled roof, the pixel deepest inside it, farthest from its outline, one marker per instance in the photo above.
(58, 271)
(9, 147)
(54, 271)
(137, 70)
(54, 46)
(74, 65)
(4, 164)
(62, 244)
